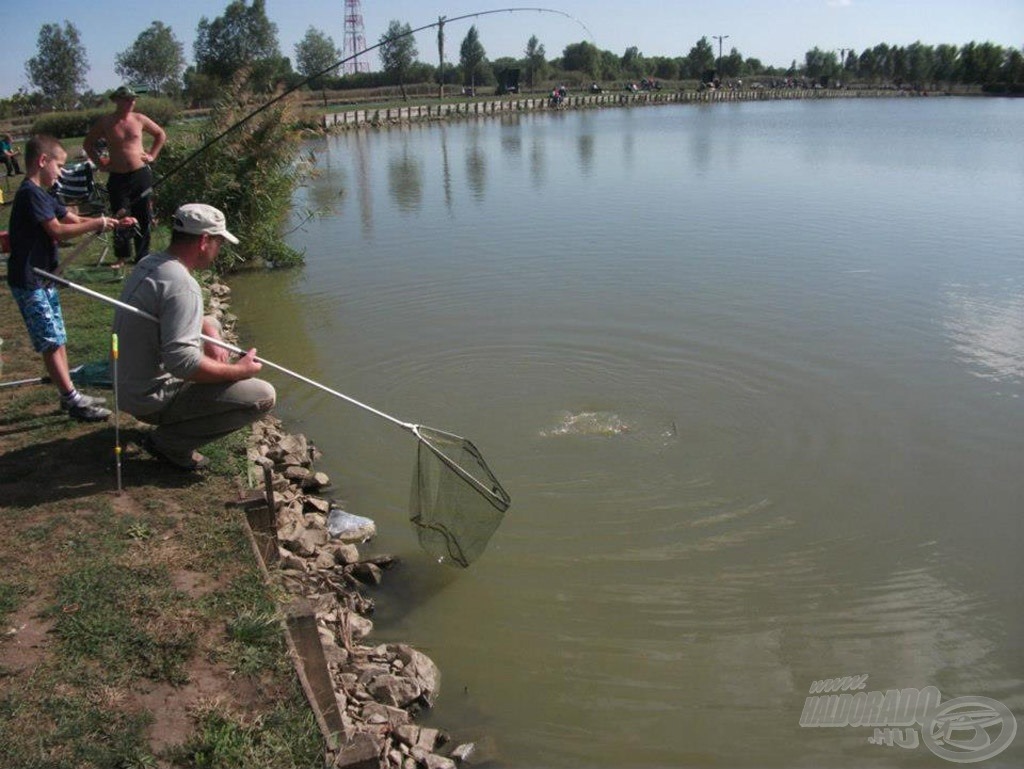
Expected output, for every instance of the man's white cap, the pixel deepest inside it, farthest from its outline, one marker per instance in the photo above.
(201, 219)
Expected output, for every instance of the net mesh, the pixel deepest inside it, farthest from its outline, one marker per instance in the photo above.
(94, 374)
(456, 503)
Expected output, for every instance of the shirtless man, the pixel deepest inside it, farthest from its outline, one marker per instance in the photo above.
(131, 178)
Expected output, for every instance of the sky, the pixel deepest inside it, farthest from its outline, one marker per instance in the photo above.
(774, 31)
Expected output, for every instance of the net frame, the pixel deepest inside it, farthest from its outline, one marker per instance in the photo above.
(456, 502)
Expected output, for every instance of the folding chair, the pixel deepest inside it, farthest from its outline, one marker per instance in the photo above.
(77, 186)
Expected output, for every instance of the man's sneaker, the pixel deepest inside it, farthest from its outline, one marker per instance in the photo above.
(84, 413)
(84, 400)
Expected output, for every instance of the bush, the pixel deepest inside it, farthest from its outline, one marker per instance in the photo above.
(64, 125)
(1004, 89)
(249, 173)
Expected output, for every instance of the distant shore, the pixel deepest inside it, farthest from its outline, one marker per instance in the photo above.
(383, 116)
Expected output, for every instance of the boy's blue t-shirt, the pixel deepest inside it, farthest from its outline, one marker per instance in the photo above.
(31, 246)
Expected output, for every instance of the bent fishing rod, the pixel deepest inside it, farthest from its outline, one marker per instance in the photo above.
(439, 23)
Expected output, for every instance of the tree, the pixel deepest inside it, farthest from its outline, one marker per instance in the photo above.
(242, 37)
(883, 69)
(980, 62)
(156, 59)
(632, 63)
(818, 62)
(665, 68)
(397, 52)
(850, 63)
(1013, 66)
(920, 63)
(944, 70)
(315, 53)
(58, 68)
(535, 62)
(471, 56)
(732, 65)
(583, 57)
(701, 57)
(608, 67)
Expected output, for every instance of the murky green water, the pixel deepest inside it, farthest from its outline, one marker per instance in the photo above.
(752, 374)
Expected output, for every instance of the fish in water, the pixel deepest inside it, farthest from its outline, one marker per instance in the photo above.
(588, 423)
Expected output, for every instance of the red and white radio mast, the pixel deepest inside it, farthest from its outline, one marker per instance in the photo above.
(355, 41)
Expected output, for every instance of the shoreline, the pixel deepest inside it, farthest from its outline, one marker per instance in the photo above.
(383, 117)
(364, 698)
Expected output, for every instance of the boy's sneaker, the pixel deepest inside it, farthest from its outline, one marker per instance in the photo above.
(85, 413)
(84, 400)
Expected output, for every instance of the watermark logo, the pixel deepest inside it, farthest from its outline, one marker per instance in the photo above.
(963, 730)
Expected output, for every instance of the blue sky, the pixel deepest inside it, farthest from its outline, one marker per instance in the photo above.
(775, 31)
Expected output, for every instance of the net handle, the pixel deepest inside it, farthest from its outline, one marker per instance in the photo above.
(496, 495)
(235, 349)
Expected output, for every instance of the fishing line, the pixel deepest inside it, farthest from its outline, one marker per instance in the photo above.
(321, 73)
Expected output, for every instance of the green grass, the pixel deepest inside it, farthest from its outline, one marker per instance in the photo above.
(84, 731)
(11, 596)
(226, 739)
(128, 619)
(104, 577)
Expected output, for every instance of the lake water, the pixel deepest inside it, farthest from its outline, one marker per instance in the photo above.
(752, 374)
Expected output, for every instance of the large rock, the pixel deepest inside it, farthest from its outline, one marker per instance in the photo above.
(397, 691)
(301, 539)
(419, 667)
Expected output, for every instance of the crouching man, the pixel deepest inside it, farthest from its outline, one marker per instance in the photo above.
(167, 376)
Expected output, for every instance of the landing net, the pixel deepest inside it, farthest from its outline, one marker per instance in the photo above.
(457, 503)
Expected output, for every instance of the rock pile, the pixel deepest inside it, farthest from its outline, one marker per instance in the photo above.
(379, 689)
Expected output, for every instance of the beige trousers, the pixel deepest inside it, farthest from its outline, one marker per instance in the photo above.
(201, 413)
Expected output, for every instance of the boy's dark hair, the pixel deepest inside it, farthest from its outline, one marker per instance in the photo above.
(39, 145)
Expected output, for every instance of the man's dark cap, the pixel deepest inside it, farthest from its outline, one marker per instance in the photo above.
(124, 92)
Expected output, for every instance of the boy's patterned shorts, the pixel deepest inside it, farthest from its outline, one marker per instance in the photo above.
(40, 307)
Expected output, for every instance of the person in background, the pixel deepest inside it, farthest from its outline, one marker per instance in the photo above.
(168, 375)
(9, 155)
(127, 161)
(38, 222)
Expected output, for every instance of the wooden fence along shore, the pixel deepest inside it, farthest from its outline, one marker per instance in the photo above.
(374, 117)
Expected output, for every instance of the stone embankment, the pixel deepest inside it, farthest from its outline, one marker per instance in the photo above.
(363, 118)
(365, 697)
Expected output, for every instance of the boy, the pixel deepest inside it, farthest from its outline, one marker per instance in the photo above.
(38, 222)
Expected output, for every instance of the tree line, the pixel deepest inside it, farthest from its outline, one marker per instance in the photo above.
(244, 38)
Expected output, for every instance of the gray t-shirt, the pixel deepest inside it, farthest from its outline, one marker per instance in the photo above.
(155, 358)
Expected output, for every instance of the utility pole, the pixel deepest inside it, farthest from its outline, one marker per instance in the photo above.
(440, 55)
(720, 38)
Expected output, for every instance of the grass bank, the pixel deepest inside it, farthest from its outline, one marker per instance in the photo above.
(135, 628)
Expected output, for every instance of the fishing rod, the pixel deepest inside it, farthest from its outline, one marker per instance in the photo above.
(483, 482)
(439, 23)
